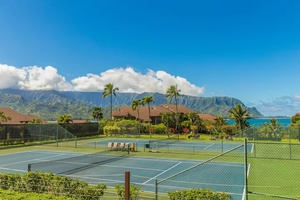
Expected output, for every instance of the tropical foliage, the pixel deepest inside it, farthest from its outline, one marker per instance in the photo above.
(220, 122)
(65, 118)
(295, 119)
(109, 90)
(174, 93)
(146, 101)
(97, 113)
(135, 105)
(168, 120)
(3, 117)
(271, 130)
(240, 115)
(36, 121)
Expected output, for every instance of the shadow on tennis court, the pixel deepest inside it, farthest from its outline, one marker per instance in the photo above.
(109, 169)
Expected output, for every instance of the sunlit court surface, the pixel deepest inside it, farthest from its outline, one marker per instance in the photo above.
(109, 166)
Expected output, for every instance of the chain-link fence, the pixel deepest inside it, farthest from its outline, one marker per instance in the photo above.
(274, 171)
(57, 134)
(35, 134)
(280, 133)
(224, 172)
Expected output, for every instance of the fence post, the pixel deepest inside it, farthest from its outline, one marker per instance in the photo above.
(57, 135)
(155, 186)
(222, 146)
(291, 157)
(127, 185)
(245, 169)
(254, 147)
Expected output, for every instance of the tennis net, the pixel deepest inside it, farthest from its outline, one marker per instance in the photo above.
(163, 142)
(72, 165)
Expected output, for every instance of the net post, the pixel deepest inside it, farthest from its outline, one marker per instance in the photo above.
(75, 141)
(128, 149)
(127, 185)
(245, 169)
(29, 168)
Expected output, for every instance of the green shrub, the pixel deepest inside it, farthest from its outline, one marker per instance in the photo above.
(135, 192)
(111, 130)
(12, 195)
(198, 194)
(43, 182)
(159, 128)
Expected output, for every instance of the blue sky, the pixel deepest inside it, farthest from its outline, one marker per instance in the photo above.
(249, 50)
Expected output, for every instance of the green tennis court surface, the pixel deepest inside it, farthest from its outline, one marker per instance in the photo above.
(177, 144)
(219, 176)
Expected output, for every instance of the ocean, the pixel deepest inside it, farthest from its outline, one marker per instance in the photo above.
(260, 121)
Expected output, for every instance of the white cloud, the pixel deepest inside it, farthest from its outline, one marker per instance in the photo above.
(126, 79)
(32, 78)
(283, 106)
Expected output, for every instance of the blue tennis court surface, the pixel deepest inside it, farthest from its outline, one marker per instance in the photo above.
(179, 145)
(219, 176)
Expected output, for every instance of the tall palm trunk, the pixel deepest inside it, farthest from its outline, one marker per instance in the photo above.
(111, 106)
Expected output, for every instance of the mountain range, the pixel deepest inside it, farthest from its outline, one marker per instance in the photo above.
(49, 104)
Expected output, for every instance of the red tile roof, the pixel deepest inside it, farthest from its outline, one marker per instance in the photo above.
(16, 118)
(156, 111)
(207, 116)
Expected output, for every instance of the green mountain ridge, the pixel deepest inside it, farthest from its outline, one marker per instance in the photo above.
(49, 104)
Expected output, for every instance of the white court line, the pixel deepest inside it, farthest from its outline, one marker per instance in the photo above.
(123, 166)
(209, 146)
(17, 170)
(244, 191)
(162, 172)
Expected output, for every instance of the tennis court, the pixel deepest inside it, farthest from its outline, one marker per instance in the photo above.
(217, 146)
(219, 176)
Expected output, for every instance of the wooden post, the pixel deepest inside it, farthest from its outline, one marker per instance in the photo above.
(127, 185)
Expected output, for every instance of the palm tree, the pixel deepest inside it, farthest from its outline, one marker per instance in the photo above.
(193, 117)
(109, 90)
(173, 92)
(240, 116)
(275, 128)
(97, 113)
(65, 118)
(135, 105)
(147, 100)
(220, 122)
(167, 119)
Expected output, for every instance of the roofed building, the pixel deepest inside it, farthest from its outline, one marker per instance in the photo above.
(16, 118)
(155, 112)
